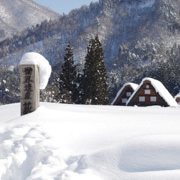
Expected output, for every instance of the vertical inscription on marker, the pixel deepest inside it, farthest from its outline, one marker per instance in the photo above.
(29, 88)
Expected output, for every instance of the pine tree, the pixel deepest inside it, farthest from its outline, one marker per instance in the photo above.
(95, 77)
(67, 77)
(79, 92)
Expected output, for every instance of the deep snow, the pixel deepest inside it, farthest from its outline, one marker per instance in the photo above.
(70, 142)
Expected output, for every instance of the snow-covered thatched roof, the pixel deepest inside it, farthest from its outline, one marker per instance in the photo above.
(133, 86)
(159, 87)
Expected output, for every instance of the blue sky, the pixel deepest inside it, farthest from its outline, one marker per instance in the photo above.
(65, 6)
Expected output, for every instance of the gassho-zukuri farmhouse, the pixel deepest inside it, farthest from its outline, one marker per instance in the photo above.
(150, 92)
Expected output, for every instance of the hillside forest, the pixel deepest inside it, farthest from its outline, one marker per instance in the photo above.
(138, 40)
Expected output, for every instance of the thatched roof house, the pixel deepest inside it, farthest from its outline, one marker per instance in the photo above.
(177, 98)
(151, 92)
(124, 94)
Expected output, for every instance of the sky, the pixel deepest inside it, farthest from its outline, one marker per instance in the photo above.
(64, 6)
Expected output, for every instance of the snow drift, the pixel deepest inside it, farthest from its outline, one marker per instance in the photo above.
(69, 142)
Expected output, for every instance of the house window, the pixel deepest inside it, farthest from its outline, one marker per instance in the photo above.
(147, 91)
(147, 86)
(124, 100)
(153, 98)
(128, 94)
(141, 98)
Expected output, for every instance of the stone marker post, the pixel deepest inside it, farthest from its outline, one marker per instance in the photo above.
(29, 88)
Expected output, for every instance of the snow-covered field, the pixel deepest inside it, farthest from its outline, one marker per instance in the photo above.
(70, 142)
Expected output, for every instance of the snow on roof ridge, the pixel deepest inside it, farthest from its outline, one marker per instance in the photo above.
(160, 88)
(133, 85)
(44, 66)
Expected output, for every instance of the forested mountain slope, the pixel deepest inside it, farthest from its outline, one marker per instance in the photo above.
(116, 22)
(139, 37)
(17, 15)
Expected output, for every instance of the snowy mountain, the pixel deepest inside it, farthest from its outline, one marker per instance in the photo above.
(116, 22)
(72, 142)
(17, 15)
(135, 35)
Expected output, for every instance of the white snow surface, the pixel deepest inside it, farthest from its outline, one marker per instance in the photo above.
(159, 87)
(133, 85)
(43, 64)
(70, 142)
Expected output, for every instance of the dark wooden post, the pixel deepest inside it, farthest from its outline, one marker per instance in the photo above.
(29, 87)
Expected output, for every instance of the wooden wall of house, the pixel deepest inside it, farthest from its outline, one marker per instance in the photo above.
(147, 96)
(178, 100)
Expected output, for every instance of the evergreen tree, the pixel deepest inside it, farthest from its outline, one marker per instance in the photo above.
(9, 86)
(68, 77)
(95, 77)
